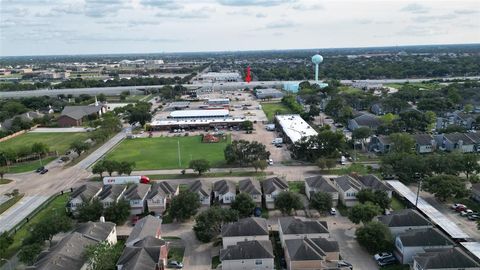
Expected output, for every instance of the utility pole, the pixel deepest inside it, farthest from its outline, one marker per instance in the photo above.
(418, 191)
(179, 159)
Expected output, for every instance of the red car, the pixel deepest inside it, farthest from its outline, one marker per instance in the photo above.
(461, 208)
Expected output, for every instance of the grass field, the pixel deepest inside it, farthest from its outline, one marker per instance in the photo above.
(11, 202)
(28, 166)
(5, 181)
(162, 152)
(207, 175)
(56, 140)
(271, 109)
(426, 86)
(57, 206)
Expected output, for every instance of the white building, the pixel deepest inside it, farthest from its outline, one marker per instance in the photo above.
(224, 191)
(195, 114)
(271, 188)
(294, 127)
(202, 190)
(136, 195)
(160, 195)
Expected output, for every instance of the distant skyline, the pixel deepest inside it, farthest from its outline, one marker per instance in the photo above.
(54, 27)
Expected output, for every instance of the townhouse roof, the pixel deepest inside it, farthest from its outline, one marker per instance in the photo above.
(147, 226)
(137, 191)
(198, 187)
(295, 225)
(224, 186)
(404, 218)
(98, 231)
(150, 241)
(474, 136)
(272, 184)
(346, 182)
(78, 112)
(371, 181)
(248, 250)
(140, 258)
(245, 227)
(86, 191)
(162, 188)
(424, 238)
(445, 259)
(422, 139)
(111, 191)
(309, 249)
(457, 136)
(385, 140)
(367, 120)
(321, 183)
(249, 186)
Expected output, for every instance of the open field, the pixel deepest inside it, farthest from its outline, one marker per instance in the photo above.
(28, 165)
(57, 206)
(207, 175)
(57, 141)
(271, 109)
(162, 152)
(426, 86)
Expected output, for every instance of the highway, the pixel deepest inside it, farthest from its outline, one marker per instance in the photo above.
(217, 86)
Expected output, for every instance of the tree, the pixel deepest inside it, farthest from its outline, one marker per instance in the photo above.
(259, 164)
(185, 205)
(79, 146)
(446, 186)
(90, 211)
(326, 144)
(468, 164)
(125, 167)
(408, 167)
(247, 125)
(5, 241)
(365, 195)
(208, 224)
(468, 108)
(111, 166)
(46, 229)
(103, 256)
(377, 197)
(2, 172)
(40, 148)
(363, 212)
(118, 212)
(28, 254)
(99, 168)
(287, 201)
(402, 143)
(244, 204)
(375, 237)
(361, 133)
(322, 201)
(243, 152)
(200, 165)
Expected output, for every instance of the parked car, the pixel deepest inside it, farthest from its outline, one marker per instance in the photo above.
(387, 261)
(40, 169)
(466, 212)
(270, 161)
(333, 211)
(473, 217)
(44, 171)
(175, 264)
(455, 205)
(461, 208)
(382, 255)
(345, 264)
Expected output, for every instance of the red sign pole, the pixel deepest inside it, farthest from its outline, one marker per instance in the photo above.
(248, 78)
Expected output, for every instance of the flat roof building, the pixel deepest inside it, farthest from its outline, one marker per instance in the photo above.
(294, 127)
(268, 93)
(199, 114)
(218, 101)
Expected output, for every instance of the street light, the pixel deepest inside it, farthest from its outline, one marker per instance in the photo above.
(9, 264)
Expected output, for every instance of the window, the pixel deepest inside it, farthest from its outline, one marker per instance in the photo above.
(258, 262)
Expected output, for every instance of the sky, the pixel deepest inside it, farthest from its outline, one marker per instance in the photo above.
(55, 27)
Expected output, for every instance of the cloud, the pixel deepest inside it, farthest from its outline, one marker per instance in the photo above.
(261, 15)
(422, 31)
(170, 4)
(264, 3)
(201, 13)
(422, 19)
(15, 12)
(103, 8)
(466, 11)
(304, 7)
(281, 24)
(415, 8)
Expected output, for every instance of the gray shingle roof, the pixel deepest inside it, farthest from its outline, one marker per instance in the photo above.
(319, 182)
(457, 136)
(272, 184)
(223, 187)
(249, 186)
(453, 258)
(307, 249)
(246, 227)
(197, 186)
(140, 258)
(111, 191)
(137, 191)
(96, 230)
(372, 182)
(248, 250)
(78, 112)
(422, 139)
(346, 182)
(295, 225)
(147, 226)
(368, 120)
(385, 140)
(86, 191)
(404, 218)
(474, 136)
(164, 188)
(425, 238)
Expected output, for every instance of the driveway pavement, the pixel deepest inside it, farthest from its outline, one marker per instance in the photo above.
(63, 130)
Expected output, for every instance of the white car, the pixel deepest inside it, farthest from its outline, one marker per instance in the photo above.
(455, 206)
(466, 212)
(270, 161)
(333, 211)
(382, 255)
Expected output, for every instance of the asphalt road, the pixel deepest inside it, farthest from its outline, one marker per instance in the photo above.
(19, 211)
(223, 85)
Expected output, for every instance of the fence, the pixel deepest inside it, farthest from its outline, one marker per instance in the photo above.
(17, 134)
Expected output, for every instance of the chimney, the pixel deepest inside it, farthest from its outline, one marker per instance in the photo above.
(102, 219)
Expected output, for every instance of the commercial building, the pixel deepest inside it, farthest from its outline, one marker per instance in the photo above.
(199, 114)
(75, 115)
(268, 93)
(294, 127)
(218, 102)
(220, 77)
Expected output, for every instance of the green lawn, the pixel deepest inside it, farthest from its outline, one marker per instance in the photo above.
(271, 109)
(396, 204)
(206, 175)
(162, 152)
(297, 186)
(28, 166)
(176, 254)
(56, 140)
(215, 262)
(349, 89)
(11, 202)
(54, 207)
(5, 181)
